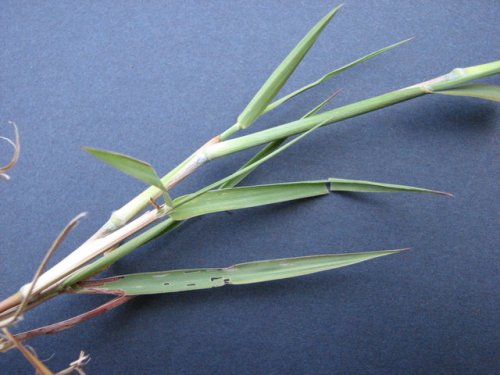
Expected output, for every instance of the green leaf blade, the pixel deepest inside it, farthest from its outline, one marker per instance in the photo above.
(475, 90)
(266, 150)
(340, 184)
(136, 168)
(332, 74)
(281, 74)
(320, 106)
(239, 274)
(260, 195)
(254, 272)
(246, 197)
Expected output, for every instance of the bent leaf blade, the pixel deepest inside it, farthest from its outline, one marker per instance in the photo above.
(136, 168)
(260, 195)
(332, 74)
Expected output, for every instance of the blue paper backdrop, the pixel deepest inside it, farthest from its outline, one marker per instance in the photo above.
(156, 79)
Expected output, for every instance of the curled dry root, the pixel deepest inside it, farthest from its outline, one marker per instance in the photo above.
(15, 157)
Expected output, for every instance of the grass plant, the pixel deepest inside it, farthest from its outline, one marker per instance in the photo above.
(154, 212)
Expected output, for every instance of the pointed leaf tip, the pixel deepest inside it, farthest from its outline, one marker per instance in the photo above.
(332, 74)
(253, 196)
(340, 184)
(279, 77)
(136, 168)
(238, 274)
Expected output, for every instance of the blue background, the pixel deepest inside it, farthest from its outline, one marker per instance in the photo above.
(156, 79)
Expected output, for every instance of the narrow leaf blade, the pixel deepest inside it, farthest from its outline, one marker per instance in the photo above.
(246, 197)
(475, 90)
(320, 106)
(340, 184)
(133, 167)
(331, 74)
(279, 77)
(260, 271)
(266, 150)
(260, 195)
(239, 274)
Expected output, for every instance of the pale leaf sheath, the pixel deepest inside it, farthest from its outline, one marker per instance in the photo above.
(474, 90)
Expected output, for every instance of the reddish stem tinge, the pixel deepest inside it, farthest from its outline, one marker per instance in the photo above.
(69, 323)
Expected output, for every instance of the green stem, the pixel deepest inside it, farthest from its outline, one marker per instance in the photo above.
(222, 146)
(462, 75)
(447, 81)
(296, 127)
